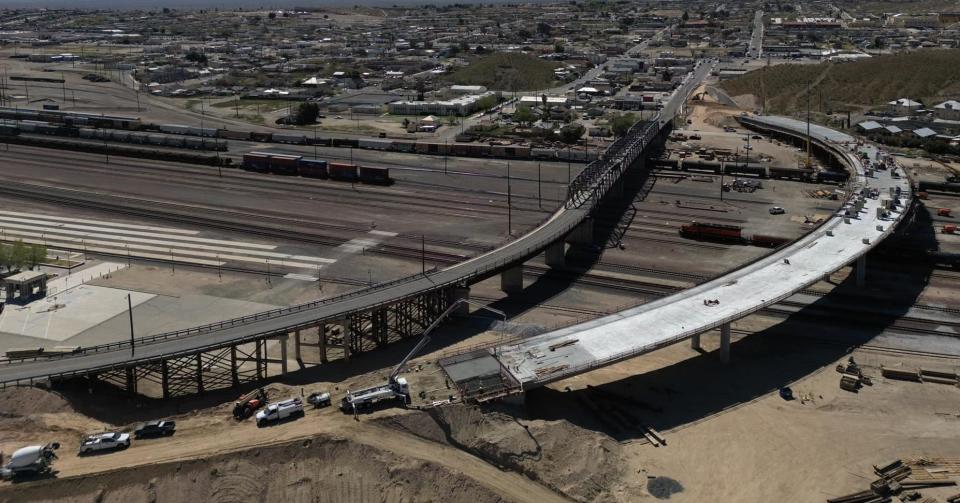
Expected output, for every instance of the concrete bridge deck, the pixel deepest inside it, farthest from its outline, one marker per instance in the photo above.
(836, 243)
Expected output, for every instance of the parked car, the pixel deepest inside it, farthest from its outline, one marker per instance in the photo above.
(105, 442)
(776, 210)
(154, 429)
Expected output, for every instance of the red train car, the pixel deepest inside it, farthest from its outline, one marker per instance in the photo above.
(712, 232)
(342, 171)
(768, 241)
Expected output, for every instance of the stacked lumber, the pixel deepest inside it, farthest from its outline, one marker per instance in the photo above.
(900, 374)
(893, 481)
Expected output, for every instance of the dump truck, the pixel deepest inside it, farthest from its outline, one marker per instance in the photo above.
(280, 411)
(247, 404)
(29, 461)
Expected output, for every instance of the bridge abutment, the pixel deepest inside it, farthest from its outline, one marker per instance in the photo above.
(511, 280)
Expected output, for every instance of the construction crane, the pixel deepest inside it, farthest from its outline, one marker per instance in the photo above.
(396, 387)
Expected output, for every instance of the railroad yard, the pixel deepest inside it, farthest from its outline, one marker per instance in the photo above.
(194, 300)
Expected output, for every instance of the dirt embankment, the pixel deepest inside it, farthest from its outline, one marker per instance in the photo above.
(580, 464)
(323, 468)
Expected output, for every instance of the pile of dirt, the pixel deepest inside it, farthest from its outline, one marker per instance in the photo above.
(589, 469)
(19, 402)
(324, 468)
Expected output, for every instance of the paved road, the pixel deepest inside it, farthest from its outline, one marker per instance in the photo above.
(558, 225)
(755, 50)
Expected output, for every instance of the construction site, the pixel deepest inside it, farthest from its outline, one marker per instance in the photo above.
(717, 305)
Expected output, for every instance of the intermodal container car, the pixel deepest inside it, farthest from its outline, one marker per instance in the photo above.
(375, 176)
(283, 164)
(257, 161)
(312, 168)
(342, 171)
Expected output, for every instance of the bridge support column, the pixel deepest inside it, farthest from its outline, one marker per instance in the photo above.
(861, 271)
(582, 234)
(511, 280)
(725, 343)
(131, 380)
(695, 342)
(555, 255)
(234, 376)
(283, 353)
(347, 340)
(296, 348)
(322, 341)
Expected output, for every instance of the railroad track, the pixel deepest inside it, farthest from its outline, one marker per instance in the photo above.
(248, 223)
(386, 198)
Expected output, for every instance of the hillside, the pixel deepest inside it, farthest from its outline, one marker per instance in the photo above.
(507, 71)
(928, 75)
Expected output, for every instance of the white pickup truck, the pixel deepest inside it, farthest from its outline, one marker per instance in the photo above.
(104, 442)
(279, 411)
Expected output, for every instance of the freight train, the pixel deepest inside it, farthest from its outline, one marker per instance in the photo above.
(13, 128)
(713, 232)
(295, 165)
(76, 120)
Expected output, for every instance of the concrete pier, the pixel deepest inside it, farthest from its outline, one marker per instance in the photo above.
(511, 280)
(555, 255)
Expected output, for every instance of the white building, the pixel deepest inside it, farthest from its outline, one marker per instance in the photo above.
(949, 110)
(462, 105)
(905, 106)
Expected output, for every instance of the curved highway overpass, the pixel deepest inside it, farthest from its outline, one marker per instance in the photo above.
(583, 195)
(845, 237)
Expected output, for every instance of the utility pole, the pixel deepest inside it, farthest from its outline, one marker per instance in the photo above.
(130, 312)
(423, 255)
(509, 203)
(539, 188)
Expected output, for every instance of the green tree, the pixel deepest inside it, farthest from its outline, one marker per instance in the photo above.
(524, 115)
(19, 255)
(5, 257)
(37, 254)
(571, 133)
(622, 123)
(307, 113)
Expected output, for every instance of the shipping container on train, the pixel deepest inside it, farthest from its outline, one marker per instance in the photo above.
(373, 175)
(342, 171)
(283, 164)
(257, 161)
(312, 168)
